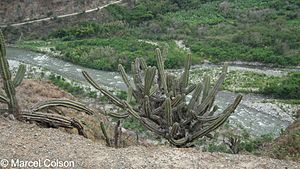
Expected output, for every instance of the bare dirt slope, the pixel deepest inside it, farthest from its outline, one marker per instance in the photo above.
(30, 142)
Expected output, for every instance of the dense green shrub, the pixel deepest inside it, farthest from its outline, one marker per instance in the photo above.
(106, 54)
(235, 139)
(91, 29)
(142, 12)
(253, 144)
(220, 50)
(288, 88)
(286, 146)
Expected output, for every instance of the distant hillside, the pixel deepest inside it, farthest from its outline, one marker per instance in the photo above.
(22, 10)
(264, 31)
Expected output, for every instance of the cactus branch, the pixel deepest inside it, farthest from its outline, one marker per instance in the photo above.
(20, 75)
(161, 71)
(64, 103)
(9, 87)
(103, 129)
(124, 76)
(184, 79)
(149, 77)
(218, 122)
(53, 120)
(113, 98)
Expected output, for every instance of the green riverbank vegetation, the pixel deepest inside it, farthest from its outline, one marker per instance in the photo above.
(252, 31)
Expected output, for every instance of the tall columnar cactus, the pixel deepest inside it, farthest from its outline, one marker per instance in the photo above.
(9, 84)
(35, 114)
(162, 104)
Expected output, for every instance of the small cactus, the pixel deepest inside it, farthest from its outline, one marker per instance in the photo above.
(162, 106)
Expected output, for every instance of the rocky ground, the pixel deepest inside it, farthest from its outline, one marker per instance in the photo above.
(29, 142)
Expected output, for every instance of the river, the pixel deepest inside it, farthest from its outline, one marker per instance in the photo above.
(254, 113)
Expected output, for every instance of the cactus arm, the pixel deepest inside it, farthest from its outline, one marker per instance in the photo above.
(5, 73)
(103, 129)
(130, 110)
(168, 112)
(2, 44)
(170, 80)
(184, 79)
(117, 134)
(215, 108)
(179, 142)
(148, 80)
(179, 114)
(190, 89)
(11, 93)
(113, 98)
(53, 120)
(129, 94)
(209, 107)
(161, 71)
(200, 108)
(136, 75)
(143, 64)
(124, 76)
(174, 130)
(118, 115)
(158, 120)
(151, 126)
(153, 89)
(20, 75)
(208, 100)
(206, 88)
(147, 107)
(64, 103)
(195, 97)
(177, 100)
(217, 123)
(9, 88)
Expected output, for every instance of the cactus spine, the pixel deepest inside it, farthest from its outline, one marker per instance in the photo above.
(162, 101)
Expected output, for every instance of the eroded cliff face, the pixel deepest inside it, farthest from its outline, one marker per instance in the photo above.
(12, 11)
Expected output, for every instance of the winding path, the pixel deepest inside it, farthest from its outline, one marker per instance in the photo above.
(62, 16)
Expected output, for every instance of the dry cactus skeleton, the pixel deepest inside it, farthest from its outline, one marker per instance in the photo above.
(162, 104)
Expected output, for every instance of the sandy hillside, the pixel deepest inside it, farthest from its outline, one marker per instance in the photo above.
(30, 142)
